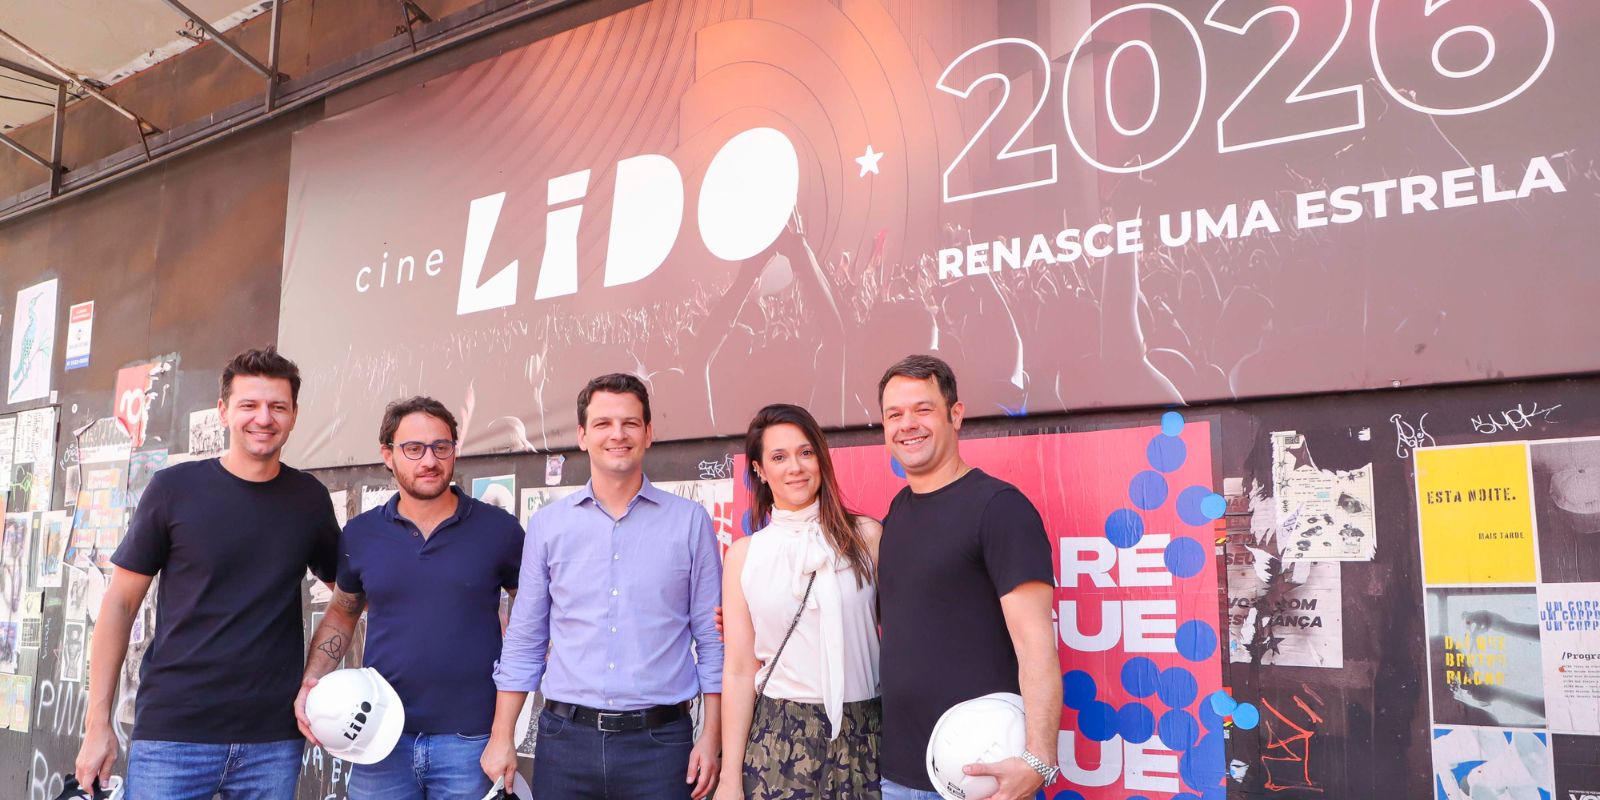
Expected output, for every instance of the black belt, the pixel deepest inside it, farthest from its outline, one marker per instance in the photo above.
(617, 721)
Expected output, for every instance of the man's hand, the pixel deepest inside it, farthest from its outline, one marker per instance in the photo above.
(719, 621)
(97, 757)
(300, 717)
(703, 766)
(499, 760)
(1017, 780)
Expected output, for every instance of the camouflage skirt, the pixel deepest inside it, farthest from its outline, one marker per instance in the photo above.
(790, 757)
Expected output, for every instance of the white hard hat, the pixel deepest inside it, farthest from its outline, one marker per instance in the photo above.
(356, 715)
(985, 729)
(519, 790)
(70, 790)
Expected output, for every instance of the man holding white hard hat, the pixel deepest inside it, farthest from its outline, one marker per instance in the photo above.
(431, 562)
(965, 583)
(355, 714)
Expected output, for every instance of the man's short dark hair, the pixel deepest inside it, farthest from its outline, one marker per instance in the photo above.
(400, 409)
(267, 363)
(615, 383)
(920, 367)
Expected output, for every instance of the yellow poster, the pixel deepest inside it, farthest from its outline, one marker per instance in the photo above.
(1475, 515)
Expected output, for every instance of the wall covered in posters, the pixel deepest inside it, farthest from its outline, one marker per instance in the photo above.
(1077, 204)
(1339, 709)
(1513, 609)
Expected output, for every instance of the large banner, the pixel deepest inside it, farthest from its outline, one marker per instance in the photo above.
(1077, 203)
(1132, 525)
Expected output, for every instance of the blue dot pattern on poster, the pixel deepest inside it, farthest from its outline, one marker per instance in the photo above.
(1177, 687)
(1195, 731)
(1196, 640)
(1077, 689)
(1140, 676)
(1196, 506)
(1246, 716)
(1098, 721)
(1124, 528)
(1171, 424)
(1185, 557)
(1202, 766)
(1147, 490)
(1136, 723)
(1166, 453)
(1178, 730)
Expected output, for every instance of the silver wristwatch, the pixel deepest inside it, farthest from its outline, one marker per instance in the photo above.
(1045, 771)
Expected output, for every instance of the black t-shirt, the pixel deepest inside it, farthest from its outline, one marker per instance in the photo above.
(946, 559)
(228, 651)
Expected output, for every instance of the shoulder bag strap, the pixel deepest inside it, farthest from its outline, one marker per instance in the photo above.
(773, 664)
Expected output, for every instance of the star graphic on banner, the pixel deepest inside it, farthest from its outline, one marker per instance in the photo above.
(869, 162)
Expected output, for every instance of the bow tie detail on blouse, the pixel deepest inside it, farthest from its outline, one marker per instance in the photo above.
(805, 550)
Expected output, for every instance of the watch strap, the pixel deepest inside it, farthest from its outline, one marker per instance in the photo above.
(1045, 771)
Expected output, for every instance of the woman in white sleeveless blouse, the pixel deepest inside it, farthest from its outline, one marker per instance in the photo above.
(814, 731)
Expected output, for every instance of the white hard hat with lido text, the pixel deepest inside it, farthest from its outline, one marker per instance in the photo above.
(356, 715)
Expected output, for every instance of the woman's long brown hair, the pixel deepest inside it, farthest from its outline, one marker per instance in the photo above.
(838, 522)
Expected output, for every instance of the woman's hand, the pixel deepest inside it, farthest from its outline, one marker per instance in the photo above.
(729, 789)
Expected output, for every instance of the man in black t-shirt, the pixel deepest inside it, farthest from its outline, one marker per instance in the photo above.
(231, 538)
(966, 584)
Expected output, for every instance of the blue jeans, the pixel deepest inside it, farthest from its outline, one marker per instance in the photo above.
(894, 791)
(576, 762)
(425, 766)
(194, 771)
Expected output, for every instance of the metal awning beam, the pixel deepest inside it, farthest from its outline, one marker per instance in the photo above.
(57, 128)
(53, 163)
(274, 31)
(217, 37)
(24, 69)
(145, 128)
(26, 153)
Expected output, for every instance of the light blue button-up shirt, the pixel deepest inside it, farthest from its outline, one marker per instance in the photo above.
(615, 603)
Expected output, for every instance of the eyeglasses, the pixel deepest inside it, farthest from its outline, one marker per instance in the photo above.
(442, 449)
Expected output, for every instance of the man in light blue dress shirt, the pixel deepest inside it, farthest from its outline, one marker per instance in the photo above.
(614, 621)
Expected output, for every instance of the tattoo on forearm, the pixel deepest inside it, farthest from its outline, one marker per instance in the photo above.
(351, 603)
(334, 647)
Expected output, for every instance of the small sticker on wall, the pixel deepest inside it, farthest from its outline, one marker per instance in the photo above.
(80, 326)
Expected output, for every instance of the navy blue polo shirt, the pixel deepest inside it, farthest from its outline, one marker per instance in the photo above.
(433, 607)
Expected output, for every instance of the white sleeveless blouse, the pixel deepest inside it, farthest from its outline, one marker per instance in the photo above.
(832, 658)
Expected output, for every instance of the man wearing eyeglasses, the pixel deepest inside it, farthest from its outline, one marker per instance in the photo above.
(431, 562)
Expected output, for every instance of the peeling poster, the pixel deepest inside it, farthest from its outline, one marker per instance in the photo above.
(1323, 515)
